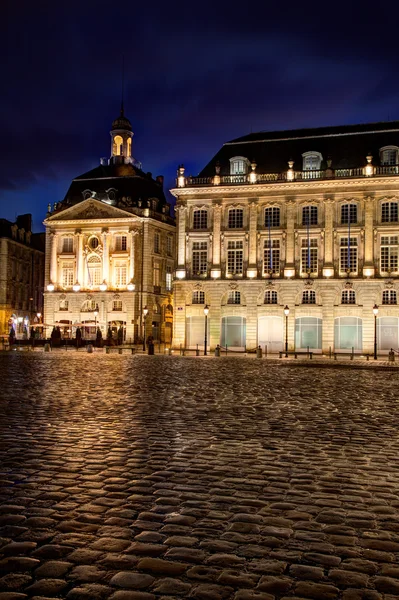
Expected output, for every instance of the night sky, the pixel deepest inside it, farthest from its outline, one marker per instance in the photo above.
(196, 75)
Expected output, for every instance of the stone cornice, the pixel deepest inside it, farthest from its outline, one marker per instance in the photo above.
(284, 187)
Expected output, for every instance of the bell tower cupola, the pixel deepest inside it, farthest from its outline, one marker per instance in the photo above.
(121, 140)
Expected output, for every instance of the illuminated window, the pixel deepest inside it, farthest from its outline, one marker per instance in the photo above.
(235, 252)
(348, 297)
(120, 273)
(271, 256)
(348, 255)
(117, 148)
(200, 219)
(309, 297)
(67, 274)
(94, 268)
(389, 212)
(348, 214)
(309, 256)
(168, 278)
(309, 215)
(88, 306)
(234, 297)
(272, 217)
(117, 305)
(129, 147)
(120, 243)
(67, 244)
(312, 161)
(270, 297)
(389, 253)
(238, 165)
(156, 274)
(200, 258)
(236, 216)
(389, 156)
(198, 297)
(389, 297)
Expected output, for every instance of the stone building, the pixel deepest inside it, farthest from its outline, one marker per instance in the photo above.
(110, 250)
(21, 276)
(303, 220)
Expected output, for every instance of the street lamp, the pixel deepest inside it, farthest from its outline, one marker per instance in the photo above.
(206, 311)
(375, 311)
(76, 287)
(145, 313)
(286, 312)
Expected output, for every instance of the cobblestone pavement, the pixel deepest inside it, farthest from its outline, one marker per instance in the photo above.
(144, 478)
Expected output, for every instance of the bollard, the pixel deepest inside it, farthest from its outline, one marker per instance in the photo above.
(107, 350)
(391, 355)
(217, 350)
(90, 348)
(119, 350)
(197, 351)
(259, 352)
(47, 347)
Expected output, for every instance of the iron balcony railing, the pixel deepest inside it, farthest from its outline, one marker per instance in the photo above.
(292, 176)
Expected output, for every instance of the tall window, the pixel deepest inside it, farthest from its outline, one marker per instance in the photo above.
(236, 218)
(270, 297)
(348, 297)
(67, 244)
(67, 274)
(389, 297)
(234, 297)
(200, 258)
(348, 255)
(168, 278)
(156, 273)
(198, 297)
(309, 215)
(169, 245)
(348, 214)
(120, 243)
(120, 273)
(389, 253)
(389, 212)
(272, 216)
(157, 243)
(235, 251)
(308, 297)
(200, 219)
(271, 256)
(309, 259)
(94, 270)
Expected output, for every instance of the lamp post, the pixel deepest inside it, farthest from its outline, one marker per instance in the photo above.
(286, 312)
(206, 311)
(145, 313)
(375, 311)
(95, 320)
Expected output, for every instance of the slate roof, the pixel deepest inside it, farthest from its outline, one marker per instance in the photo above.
(347, 146)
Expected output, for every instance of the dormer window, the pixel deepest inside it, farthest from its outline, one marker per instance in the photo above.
(238, 165)
(312, 161)
(389, 155)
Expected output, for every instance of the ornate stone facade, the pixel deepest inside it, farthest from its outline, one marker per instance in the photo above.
(322, 241)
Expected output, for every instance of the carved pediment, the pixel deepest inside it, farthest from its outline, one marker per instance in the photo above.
(90, 209)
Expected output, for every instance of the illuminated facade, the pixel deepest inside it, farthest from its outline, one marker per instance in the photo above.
(110, 251)
(21, 276)
(303, 219)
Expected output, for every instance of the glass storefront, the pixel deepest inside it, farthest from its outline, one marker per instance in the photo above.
(308, 332)
(233, 332)
(271, 333)
(195, 332)
(348, 333)
(387, 333)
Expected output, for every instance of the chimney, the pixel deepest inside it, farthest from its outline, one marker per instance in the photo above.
(159, 180)
(24, 222)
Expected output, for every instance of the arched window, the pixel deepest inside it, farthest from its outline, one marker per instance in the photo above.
(389, 155)
(389, 297)
(198, 297)
(129, 147)
(309, 297)
(200, 219)
(238, 165)
(117, 148)
(348, 297)
(94, 269)
(312, 161)
(234, 297)
(270, 297)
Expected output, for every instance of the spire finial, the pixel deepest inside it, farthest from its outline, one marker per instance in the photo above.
(123, 85)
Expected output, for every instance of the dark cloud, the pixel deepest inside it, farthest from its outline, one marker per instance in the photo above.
(197, 75)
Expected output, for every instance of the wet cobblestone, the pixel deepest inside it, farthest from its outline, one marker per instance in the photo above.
(144, 478)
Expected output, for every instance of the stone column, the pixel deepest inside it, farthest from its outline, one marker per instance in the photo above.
(217, 215)
(106, 242)
(252, 226)
(368, 265)
(79, 259)
(181, 239)
(53, 264)
(131, 256)
(328, 266)
(289, 270)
